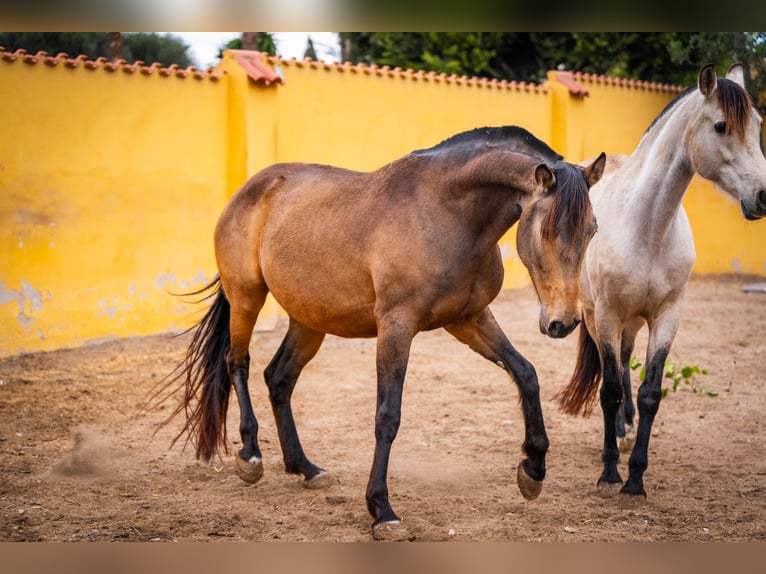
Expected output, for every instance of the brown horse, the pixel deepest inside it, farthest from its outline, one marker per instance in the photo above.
(407, 248)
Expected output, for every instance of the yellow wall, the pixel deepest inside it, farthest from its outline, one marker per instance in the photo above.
(111, 181)
(109, 187)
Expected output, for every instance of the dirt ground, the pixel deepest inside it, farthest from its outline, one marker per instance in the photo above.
(79, 461)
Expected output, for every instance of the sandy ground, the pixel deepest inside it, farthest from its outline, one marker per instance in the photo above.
(79, 460)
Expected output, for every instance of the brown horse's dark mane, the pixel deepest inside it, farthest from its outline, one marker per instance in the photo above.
(571, 204)
(480, 140)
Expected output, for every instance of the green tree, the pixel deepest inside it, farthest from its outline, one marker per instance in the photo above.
(148, 47)
(91, 44)
(264, 43)
(310, 51)
(667, 57)
(449, 52)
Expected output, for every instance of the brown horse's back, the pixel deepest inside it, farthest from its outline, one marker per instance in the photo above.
(365, 234)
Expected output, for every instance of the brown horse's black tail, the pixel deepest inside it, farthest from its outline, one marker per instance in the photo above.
(204, 378)
(579, 396)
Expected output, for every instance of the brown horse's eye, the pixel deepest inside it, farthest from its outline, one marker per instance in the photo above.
(720, 127)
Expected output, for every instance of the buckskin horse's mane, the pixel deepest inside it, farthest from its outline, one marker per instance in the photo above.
(735, 103)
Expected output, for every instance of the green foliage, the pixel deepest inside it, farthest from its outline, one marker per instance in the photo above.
(665, 57)
(147, 47)
(265, 43)
(461, 53)
(92, 44)
(150, 47)
(310, 51)
(688, 375)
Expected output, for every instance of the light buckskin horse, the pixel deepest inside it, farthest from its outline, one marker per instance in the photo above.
(637, 267)
(410, 247)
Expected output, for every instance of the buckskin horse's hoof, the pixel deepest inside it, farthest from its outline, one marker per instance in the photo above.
(322, 480)
(625, 443)
(250, 472)
(391, 531)
(529, 487)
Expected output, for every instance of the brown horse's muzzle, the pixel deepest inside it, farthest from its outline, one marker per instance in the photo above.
(556, 329)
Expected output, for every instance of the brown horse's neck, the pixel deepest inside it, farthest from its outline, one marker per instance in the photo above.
(491, 190)
(483, 196)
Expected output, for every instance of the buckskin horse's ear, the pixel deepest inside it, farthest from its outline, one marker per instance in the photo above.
(706, 80)
(595, 171)
(736, 73)
(544, 176)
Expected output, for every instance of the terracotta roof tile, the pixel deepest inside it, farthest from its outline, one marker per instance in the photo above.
(104, 64)
(254, 64)
(408, 74)
(567, 79)
(636, 84)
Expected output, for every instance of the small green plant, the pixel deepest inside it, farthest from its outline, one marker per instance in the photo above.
(687, 375)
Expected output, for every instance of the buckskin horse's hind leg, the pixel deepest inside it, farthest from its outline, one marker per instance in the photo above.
(298, 347)
(626, 434)
(482, 334)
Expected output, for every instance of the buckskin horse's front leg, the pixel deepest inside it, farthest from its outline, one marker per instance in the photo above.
(393, 348)
(482, 334)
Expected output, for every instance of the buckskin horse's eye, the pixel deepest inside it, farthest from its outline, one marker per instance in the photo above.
(720, 127)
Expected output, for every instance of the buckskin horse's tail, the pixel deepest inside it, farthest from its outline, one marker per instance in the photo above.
(204, 378)
(579, 396)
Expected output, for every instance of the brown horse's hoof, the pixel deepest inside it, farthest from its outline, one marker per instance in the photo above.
(529, 487)
(322, 480)
(608, 489)
(391, 532)
(250, 472)
(631, 501)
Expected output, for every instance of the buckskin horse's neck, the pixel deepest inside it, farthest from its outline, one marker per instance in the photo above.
(660, 171)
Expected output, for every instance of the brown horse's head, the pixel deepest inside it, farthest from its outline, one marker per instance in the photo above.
(553, 232)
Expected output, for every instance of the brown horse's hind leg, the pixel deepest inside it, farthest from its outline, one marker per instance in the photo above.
(482, 334)
(243, 316)
(297, 349)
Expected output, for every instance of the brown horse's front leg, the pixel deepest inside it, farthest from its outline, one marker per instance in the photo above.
(482, 334)
(392, 355)
(531, 471)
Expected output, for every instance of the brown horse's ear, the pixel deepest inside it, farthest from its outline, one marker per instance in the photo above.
(707, 80)
(736, 73)
(544, 176)
(595, 171)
